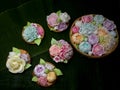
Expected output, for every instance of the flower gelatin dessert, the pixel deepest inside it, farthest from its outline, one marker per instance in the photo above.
(94, 35)
(45, 73)
(60, 51)
(58, 21)
(18, 60)
(33, 33)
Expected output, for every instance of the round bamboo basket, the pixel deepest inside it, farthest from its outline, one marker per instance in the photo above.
(93, 56)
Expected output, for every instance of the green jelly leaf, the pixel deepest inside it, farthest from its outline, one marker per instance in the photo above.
(37, 41)
(52, 29)
(42, 61)
(77, 46)
(59, 20)
(27, 66)
(25, 27)
(46, 71)
(34, 79)
(54, 41)
(65, 61)
(58, 72)
(28, 23)
(58, 12)
(16, 50)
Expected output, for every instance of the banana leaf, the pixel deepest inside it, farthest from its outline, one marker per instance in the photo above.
(79, 73)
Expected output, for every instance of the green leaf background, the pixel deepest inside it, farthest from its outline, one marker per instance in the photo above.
(79, 73)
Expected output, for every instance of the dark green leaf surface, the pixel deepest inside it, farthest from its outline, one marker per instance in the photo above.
(80, 73)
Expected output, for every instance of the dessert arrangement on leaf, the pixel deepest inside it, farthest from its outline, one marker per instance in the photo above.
(60, 51)
(45, 73)
(94, 35)
(58, 21)
(18, 60)
(33, 33)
